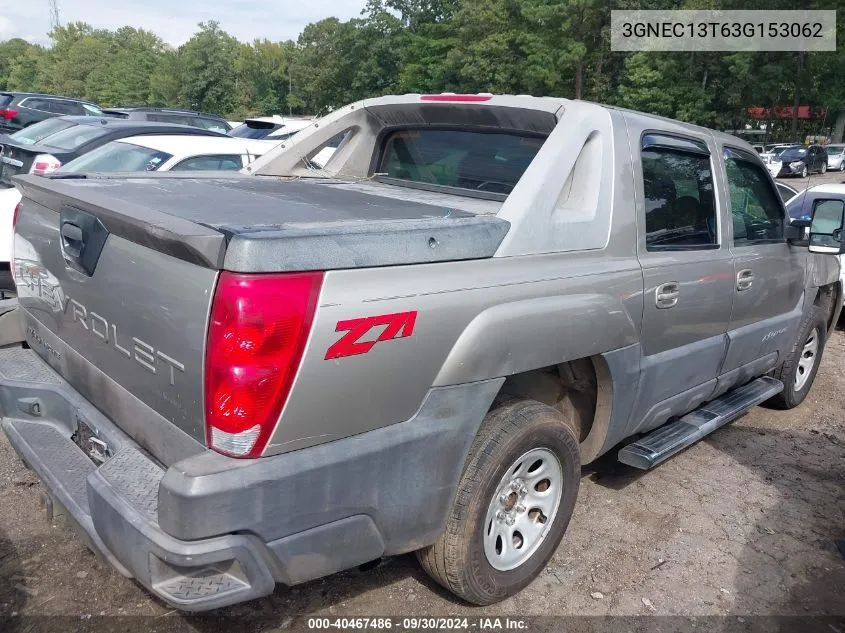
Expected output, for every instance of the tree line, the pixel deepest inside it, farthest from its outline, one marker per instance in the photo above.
(539, 47)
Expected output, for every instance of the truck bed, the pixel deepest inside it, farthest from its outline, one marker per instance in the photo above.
(259, 224)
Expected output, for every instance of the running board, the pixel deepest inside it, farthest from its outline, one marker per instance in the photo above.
(674, 437)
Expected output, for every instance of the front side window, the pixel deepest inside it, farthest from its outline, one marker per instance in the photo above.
(680, 208)
(118, 157)
(755, 206)
(478, 161)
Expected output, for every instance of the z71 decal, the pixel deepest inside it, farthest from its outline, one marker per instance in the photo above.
(397, 325)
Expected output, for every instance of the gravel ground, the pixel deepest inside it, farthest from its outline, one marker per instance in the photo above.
(744, 523)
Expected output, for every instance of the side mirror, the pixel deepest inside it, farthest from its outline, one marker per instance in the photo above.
(826, 230)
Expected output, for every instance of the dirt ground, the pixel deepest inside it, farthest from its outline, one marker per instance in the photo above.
(744, 523)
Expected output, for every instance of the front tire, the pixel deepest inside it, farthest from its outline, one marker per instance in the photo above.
(804, 172)
(842, 166)
(824, 168)
(513, 504)
(799, 370)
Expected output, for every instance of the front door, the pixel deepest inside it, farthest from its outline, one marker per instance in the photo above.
(769, 273)
(687, 274)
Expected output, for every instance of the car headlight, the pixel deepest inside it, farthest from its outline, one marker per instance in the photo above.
(797, 164)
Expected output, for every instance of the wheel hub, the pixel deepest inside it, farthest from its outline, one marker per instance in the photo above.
(523, 509)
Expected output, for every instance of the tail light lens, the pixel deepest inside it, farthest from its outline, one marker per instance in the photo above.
(258, 331)
(7, 114)
(44, 164)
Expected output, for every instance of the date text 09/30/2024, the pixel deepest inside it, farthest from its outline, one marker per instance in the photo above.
(418, 624)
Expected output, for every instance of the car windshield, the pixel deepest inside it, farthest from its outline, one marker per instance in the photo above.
(793, 153)
(118, 156)
(38, 131)
(835, 151)
(254, 129)
(74, 137)
(777, 151)
(486, 162)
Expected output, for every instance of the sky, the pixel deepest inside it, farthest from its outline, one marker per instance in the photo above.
(175, 21)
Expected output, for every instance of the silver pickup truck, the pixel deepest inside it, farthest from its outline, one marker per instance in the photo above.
(229, 383)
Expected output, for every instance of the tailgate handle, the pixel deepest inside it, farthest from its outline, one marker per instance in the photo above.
(82, 236)
(72, 240)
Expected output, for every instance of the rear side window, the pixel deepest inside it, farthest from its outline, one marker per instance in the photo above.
(211, 124)
(117, 156)
(680, 208)
(177, 119)
(36, 103)
(62, 106)
(218, 162)
(484, 162)
(756, 207)
(6, 100)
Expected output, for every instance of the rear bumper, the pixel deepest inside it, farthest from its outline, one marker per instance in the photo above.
(212, 531)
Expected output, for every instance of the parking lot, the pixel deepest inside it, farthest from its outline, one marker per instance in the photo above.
(743, 523)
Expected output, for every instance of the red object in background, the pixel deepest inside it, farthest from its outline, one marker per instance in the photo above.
(785, 112)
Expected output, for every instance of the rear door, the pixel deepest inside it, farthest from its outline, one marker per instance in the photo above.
(687, 274)
(768, 272)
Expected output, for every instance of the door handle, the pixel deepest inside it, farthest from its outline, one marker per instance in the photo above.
(744, 279)
(666, 295)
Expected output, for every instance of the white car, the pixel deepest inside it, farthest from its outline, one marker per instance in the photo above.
(140, 153)
(835, 157)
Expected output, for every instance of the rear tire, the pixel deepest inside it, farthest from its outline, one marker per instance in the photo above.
(799, 370)
(522, 472)
(824, 168)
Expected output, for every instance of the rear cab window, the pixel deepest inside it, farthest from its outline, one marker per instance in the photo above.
(484, 163)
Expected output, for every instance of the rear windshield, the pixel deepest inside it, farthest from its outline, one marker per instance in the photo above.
(6, 100)
(74, 137)
(485, 162)
(117, 156)
(41, 130)
(254, 129)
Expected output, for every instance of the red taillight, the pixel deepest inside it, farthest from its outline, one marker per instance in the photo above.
(15, 216)
(44, 164)
(258, 330)
(7, 114)
(456, 98)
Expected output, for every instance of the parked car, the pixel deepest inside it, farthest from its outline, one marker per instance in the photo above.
(30, 151)
(802, 160)
(835, 157)
(166, 153)
(202, 120)
(21, 109)
(830, 198)
(235, 381)
(276, 127)
(771, 157)
(44, 147)
(785, 191)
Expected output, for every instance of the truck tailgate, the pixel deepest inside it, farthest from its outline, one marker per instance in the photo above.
(126, 316)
